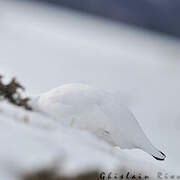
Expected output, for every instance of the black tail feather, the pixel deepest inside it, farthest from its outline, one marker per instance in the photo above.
(159, 159)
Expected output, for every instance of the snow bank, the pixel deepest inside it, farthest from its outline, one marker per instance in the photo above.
(45, 48)
(32, 142)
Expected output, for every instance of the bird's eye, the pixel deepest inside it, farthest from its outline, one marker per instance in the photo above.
(107, 132)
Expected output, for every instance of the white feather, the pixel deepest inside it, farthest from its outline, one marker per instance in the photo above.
(97, 111)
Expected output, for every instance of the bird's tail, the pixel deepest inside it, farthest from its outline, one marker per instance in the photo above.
(161, 157)
(154, 152)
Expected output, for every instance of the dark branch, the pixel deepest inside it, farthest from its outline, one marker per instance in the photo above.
(11, 92)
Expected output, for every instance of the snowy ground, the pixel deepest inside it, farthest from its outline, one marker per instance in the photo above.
(47, 47)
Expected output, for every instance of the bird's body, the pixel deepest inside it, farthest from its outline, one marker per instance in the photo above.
(97, 111)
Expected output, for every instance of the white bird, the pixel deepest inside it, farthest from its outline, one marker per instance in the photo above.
(95, 110)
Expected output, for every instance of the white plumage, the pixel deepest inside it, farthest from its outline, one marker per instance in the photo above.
(97, 111)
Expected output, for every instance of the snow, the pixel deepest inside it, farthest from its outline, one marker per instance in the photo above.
(30, 147)
(41, 143)
(45, 48)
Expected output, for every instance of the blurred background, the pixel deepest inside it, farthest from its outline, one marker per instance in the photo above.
(162, 15)
(130, 48)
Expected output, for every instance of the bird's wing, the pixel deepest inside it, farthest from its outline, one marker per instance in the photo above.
(105, 135)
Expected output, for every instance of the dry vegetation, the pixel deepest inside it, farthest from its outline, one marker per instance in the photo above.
(11, 93)
(51, 175)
